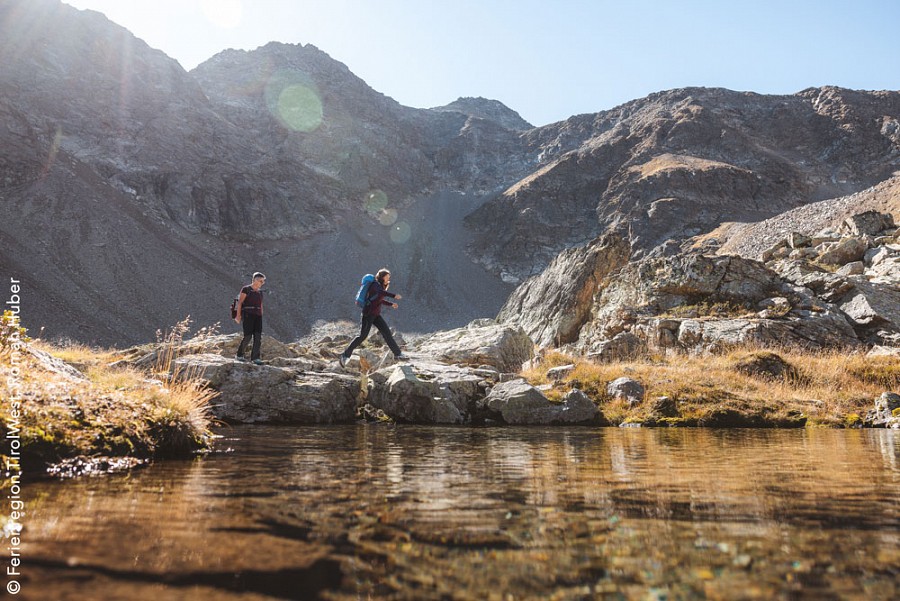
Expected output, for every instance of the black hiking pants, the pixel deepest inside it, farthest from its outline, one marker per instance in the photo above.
(365, 327)
(252, 327)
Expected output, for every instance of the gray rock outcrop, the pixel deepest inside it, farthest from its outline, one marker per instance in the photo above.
(553, 306)
(693, 302)
(426, 392)
(814, 291)
(520, 403)
(627, 389)
(885, 414)
(262, 393)
(482, 342)
(303, 386)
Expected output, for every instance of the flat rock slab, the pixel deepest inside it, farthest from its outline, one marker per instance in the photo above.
(251, 393)
(482, 342)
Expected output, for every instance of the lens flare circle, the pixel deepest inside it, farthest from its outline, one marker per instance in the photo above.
(388, 217)
(376, 201)
(226, 14)
(300, 108)
(400, 233)
(293, 99)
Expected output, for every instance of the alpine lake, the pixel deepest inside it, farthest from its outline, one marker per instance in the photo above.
(382, 511)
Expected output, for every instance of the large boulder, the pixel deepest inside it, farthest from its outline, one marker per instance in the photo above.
(885, 270)
(263, 393)
(552, 307)
(697, 303)
(426, 392)
(811, 329)
(827, 286)
(867, 223)
(519, 403)
(845, 251)
(482, 342)
(621, 347)
(578, 408)
(873, 305)
(656, 286)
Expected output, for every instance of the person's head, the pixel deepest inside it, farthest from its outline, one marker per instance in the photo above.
(384, 277)
(258, 279)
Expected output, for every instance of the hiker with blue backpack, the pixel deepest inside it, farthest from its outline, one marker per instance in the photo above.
(370, 298)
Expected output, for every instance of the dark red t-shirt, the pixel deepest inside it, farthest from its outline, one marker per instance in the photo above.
(376, 294)
(254, 302)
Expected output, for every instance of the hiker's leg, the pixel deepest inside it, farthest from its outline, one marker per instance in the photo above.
(365, 325)
(248, 333)
(257, 337)
(382, 326)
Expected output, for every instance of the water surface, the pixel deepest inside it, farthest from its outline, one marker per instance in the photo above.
(403, 512)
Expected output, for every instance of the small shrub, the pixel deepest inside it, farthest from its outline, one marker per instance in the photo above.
(768, 365)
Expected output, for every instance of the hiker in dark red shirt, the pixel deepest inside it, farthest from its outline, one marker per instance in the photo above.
(371, 315)
(250, 314)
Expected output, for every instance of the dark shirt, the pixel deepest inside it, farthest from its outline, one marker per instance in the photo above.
(253, 303)
(376, 298)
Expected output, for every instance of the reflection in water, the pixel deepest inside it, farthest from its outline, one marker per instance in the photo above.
(357, 512)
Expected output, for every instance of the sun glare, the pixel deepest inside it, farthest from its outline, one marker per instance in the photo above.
(226, 14)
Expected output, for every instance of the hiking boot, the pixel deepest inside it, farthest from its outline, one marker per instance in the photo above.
(257, 362)
(240, 358)
(401, 357)
(343, 360)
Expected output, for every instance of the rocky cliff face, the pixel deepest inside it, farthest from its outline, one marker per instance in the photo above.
(679, 163)
(135, 193)
(836, 287)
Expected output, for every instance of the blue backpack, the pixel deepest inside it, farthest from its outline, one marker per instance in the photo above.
(362, 297)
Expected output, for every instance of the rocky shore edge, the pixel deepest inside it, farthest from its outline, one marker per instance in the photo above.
(487, 373)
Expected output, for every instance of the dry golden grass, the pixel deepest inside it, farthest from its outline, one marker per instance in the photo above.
(117, 410)
(673, 162)
(825, 387)
(78, 355)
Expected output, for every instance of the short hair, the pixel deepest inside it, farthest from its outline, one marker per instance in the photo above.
(380, 275)
(259, 274)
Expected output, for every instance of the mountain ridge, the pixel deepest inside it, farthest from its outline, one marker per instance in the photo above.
(125, 176)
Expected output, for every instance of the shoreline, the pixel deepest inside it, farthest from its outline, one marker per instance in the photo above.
(87, 411)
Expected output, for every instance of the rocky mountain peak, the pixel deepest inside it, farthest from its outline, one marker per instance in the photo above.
(680, 162)
(490, 110)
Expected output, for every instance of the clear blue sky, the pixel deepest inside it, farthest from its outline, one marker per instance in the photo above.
(551, 59)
